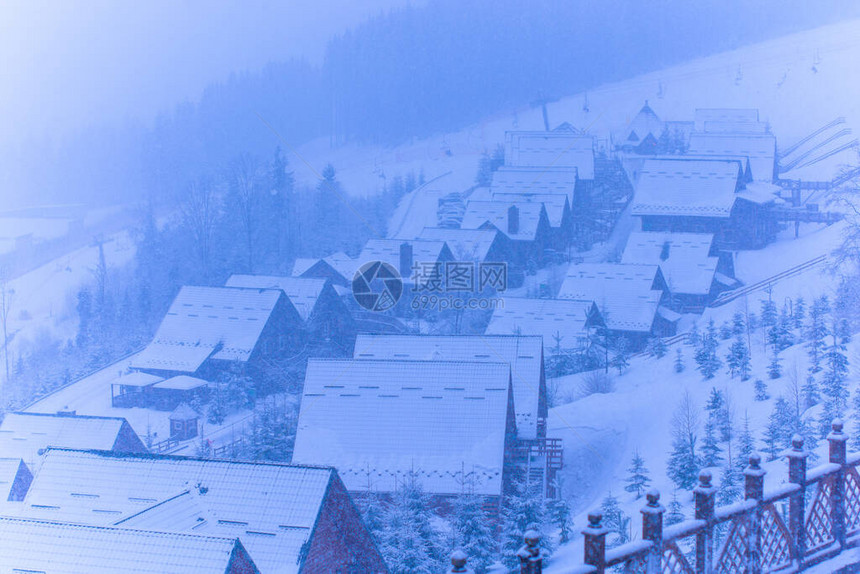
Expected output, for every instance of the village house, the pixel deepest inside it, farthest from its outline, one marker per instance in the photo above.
(760, 148)
(26, 436)
(558, 212)
(562, 323)
(632, 299)
(208, 330)
(472, 245)
(525, 355)
(410, 257)
(15, 479)
(323, 312)
(559, 148)
(291, 519)
(694, 271)
(339, 268)
(641, 135)
(449, 425)
(696, 196)
(738, 120)
(48, 546)
(529, 180)
(526, 225)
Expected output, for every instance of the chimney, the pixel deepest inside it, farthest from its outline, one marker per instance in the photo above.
(405, 259)
(664, 253)
(513, 220)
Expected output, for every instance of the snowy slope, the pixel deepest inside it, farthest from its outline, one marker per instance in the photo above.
(776, 77)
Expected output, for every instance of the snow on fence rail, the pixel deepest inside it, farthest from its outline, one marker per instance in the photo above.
(729, 296)
(760, 537)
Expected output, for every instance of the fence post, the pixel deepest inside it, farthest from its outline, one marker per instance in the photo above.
(458, 563)
(530, 555)
(754, 490)
(837, 440)
(797, 501)
(595, 543)
(652, 531)
(705, 496)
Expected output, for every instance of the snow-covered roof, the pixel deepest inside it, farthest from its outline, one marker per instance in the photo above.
(183, 413)
(680, 186)
(479, 214)
(759, 148)
(623, 293)
(302, 292)
(340, 262)
(378, 421)
(49, 547)
(27, 435)
(15, 478)
(535, 180)
(269, 507)
(137, 379)
(729, 115)
(465, 244)
(181, 383)
(388, 251)
(222, 322)
(546, 149)
(643, 123)
(547, 318)
(554, 203)
(683, 258)
(524, 354)
(740, 127)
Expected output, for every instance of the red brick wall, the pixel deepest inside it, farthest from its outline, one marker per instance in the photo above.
(341, 544)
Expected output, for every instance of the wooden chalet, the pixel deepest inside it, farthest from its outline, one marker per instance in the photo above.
(694, 271)
(697, 196)
(473, 245)
(290, 519)
(26, 436)
(323, 312)
(210, 329)
(47, 546)
(632, 299)
(760, 148)
(562, 323)
(526, 226)
(339, 268)
(559, 148)
(450, 425)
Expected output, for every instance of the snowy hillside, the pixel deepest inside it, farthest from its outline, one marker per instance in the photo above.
(777, 77)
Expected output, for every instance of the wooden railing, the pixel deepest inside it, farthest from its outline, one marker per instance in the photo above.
(766, 532)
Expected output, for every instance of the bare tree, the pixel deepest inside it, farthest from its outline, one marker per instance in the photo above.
(199, 209)
(6, 296)
(245, 195)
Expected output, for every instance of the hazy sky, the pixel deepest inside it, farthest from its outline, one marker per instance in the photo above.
(65, 64)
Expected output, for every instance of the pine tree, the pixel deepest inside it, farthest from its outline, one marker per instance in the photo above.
(738, 358)
(725, 331)
(730, 490)
(409, 543)
(835, 377)
(761, 393)
(638, 479)
(799, 314)
(739, 325)
(816, 332)
(615, 520)
(560, 516)
(706, 354)
(679, 361)
(694, 339)
(810, 391)
(674, 510)
(657, 347)
(855, 415)
(745, 445)
(768, 314)
(473, 532)
(683, 465)
(711, 450)
(522, 509)
(774, 368)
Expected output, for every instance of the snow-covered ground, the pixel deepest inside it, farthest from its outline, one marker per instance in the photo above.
(777, 77)
(43, 299)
